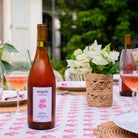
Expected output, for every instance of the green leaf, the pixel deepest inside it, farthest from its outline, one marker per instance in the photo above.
(6, 66)
(10, 48)
(108, 73)
(115, 67)
(73, 57)
(1, 50)
(107, 48)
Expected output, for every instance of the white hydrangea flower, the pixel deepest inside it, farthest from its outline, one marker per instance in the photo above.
(71, 63)
(96, 55)
(99, 60)
(112, 56)
(93, 47)
(83, 57)
(82, 64)
(77, 52)
(92, 54)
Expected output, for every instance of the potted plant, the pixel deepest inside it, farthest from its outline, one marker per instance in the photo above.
(99, 64)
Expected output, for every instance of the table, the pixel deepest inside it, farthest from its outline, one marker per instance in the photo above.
(74, 118)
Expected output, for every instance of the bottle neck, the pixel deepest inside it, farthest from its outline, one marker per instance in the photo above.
(127, 46)
(42, 41)
(42, 49)
(128, 41)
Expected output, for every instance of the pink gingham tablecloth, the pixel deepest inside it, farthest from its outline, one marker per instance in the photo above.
(74, 118)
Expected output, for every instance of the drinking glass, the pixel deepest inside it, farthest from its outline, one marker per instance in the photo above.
(129, 75)
(129, 70)
(18, 77)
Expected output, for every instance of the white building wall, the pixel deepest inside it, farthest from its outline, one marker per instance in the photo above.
(35, 18)
(12, 18)
(7, 20)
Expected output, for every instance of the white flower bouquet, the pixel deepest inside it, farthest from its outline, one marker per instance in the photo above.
(94, 59)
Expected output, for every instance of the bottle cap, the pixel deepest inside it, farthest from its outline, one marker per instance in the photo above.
(41, 26)
(42, 32)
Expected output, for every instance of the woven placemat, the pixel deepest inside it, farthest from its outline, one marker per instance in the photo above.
(111, 130)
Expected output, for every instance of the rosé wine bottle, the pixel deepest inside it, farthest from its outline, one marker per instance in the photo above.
(41, 86)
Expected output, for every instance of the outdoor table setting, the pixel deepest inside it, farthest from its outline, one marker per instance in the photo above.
(91, 107)
(74, 118)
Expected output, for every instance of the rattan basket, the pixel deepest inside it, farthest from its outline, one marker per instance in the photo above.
(99, 89)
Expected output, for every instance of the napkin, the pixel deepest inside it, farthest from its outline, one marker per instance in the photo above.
(73, 84)
(8, 101)
(11, 95)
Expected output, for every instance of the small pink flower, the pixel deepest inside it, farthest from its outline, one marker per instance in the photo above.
(52, 130)
(1, 124)
(11, 134)
(88, 119)
(19, 123)
(88, 115)
(72, 120)
(42, 100)
(105, 115)
(22, 119)
(41, 106)
(16, 128)
(90, 112)
(89, 124)
(70, 130)
(72, 116)
(104, 111)
(73, 112)
(88, 129)
(58, 116)
(71, 125)
(48, 136)
(89, 135)
(32, 132)
(69, 136)
(5, 120)
(64, 84)
(104, 118)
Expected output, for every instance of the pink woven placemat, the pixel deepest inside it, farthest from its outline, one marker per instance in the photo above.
(111, 130)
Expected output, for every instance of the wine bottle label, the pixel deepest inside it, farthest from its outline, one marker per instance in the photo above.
(42, 104)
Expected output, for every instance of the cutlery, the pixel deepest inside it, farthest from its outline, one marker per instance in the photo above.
(64, 92)
(13, 97)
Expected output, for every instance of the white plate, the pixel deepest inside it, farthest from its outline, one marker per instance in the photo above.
(72, 85)
(128, 121)
(12, 101)
(116, 77)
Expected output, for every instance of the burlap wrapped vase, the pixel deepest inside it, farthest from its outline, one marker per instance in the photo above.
(99, 90)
